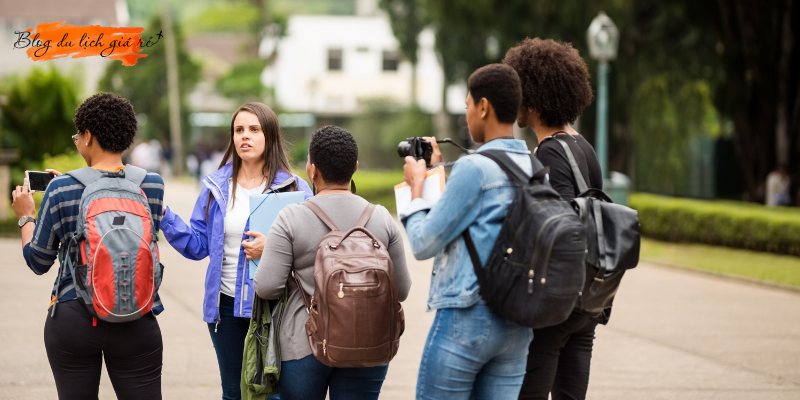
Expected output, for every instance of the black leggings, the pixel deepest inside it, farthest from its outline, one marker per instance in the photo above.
(559, 359)
(76, 350)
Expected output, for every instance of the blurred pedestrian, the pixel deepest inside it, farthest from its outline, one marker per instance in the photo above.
(147, 155)
(778, 184)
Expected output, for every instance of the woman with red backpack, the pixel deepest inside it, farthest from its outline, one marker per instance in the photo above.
(78, 341)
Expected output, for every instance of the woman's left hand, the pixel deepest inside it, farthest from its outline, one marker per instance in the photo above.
(254, 248)
(23, 201)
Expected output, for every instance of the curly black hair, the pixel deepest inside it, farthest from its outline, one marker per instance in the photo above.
(555, 79)
(335, 153)
(110, 119)
(500, 85)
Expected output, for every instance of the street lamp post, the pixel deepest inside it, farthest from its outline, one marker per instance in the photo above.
(603, 38)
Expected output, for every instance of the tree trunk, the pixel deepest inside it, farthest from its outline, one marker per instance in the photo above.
(782, 116)
(443, 118)
(413, 92)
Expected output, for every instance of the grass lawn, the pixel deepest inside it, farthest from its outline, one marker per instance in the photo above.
(763, 267)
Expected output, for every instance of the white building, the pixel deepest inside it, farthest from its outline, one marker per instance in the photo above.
(328, 64)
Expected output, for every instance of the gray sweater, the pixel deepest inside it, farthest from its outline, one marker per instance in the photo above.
(292, 245)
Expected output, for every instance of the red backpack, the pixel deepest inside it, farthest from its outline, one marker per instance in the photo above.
(113, 256)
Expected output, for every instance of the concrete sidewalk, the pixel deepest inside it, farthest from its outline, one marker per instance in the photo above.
(673, 334)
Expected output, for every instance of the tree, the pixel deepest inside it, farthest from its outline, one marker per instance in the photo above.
(38, 114)
(145, 84)
(408, 19)
(761, 92)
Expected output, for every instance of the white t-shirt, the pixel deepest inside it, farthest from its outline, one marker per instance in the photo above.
(235, 221)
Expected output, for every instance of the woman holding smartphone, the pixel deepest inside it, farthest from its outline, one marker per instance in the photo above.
(76, 343)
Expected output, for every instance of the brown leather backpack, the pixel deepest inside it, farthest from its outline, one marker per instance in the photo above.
(354, 317)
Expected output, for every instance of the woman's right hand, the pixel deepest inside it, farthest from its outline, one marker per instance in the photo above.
(53, 172)
(254, 248)
(436, 156)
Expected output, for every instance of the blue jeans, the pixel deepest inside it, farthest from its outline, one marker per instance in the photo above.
(309, 379)
(471, 353)
(228, 338)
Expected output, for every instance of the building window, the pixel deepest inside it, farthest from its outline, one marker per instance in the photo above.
(391, 59)
(334, 59)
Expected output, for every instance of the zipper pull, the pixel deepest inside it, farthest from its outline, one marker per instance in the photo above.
(325, 347)
(341, 290)
(216, 325)
(530, 281)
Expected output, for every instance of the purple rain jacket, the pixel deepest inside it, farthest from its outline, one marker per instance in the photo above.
(205, 237)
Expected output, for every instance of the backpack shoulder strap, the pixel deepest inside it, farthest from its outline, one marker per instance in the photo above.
(508, 166)
(85, 175)
(366, 215)
(514, 172)
(135, 174)
(321, 215)
(582, 186)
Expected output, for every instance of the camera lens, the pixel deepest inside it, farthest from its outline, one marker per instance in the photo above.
(404, 148)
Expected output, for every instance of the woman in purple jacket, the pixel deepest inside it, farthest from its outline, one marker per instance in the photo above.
(255, 162)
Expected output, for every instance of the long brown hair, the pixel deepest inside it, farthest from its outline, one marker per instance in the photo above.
(275, 157)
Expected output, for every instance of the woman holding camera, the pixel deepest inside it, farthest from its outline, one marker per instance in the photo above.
(76, 343)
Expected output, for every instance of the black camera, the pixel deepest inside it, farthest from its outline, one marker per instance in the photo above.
(416, 147)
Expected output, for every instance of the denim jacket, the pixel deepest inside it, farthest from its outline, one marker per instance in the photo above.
(476, 197)
(205, 237)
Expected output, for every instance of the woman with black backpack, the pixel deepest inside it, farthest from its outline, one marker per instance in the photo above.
(555, 91)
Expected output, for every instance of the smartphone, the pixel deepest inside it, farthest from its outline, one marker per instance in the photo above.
(38, 180)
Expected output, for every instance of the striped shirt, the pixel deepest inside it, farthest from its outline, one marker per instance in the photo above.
(58, 219)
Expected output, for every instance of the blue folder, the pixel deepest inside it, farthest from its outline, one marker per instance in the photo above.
(264, 208)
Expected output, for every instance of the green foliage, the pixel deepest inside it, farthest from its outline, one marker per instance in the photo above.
(145, 85)
(722, 223)
(223, 17)
(383, 124)
(327, 7)
(762, 267)
(243, 81)
(667, 114)
(378, 186)
(661, 86)
(298, 153)
(408, 19)
(64, 162)
(37, 114)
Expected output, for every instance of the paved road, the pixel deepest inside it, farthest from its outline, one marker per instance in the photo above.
(673, 335)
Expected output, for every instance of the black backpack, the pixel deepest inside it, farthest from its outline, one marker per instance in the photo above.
(613, 241)
(531, 276)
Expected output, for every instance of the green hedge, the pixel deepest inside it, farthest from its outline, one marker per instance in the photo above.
(378, 186)
(723, 223)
